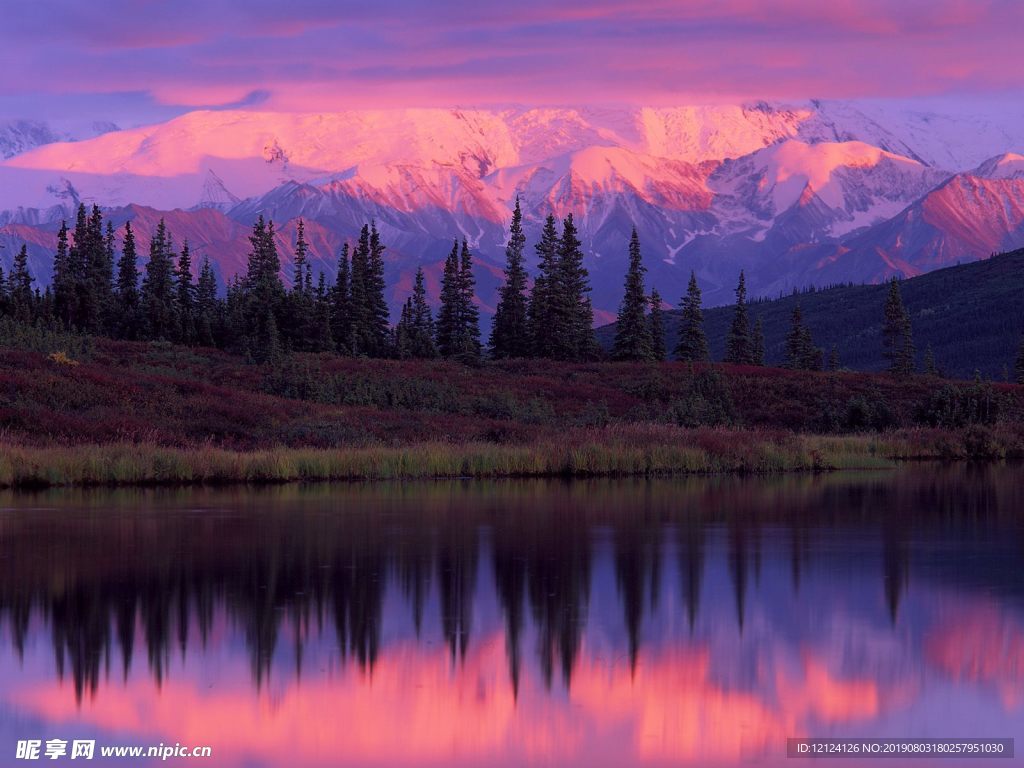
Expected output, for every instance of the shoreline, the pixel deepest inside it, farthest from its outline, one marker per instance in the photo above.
(608, 453)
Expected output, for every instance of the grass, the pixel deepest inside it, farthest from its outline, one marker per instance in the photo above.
(616, 451)
(130, 413)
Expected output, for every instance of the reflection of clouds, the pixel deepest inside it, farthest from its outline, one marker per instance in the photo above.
(980, 645)
(677, 711)
(818, 655)
(416, 708)
(843, 670)
(827, 698)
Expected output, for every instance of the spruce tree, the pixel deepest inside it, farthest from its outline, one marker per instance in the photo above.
(300, 320)
(421, 321)
(632, 331)
(897, 337)
(19, 293)
(470, 313)
(573, 314)
(93, 262)
(801, 354)
(377, 314)
(106, 282)
(369, 310)
(127, 289)
(540, 311)
(403, 332)
(78, 268)
(833, 359)
(929, 362)
(510, 335)
(1018, 367)
(757, 352)
(738, 346)
(358, 294)
(341, 303)
(657, 325)
(80, 260)
(186, 298)
(235, 327)
(322, 340)
(158, 295)
(692, 346)
(299, 265)
(264, 293)
(448, 315)
(458, 331)
(63, 280)
(206, 305)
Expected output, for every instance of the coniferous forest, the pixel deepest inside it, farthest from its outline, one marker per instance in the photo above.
(98, 288)
(122, 349)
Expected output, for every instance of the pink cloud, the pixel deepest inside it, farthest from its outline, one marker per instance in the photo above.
(316, 54)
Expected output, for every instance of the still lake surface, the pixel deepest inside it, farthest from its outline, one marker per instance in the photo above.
(697, 621)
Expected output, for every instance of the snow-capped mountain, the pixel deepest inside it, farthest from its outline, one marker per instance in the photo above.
(794, 194)
(18, 136)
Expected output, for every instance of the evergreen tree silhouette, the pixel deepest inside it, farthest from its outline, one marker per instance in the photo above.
(541, 318)
(897, 336)
(127, 289)
(510, 336)
(738, 346)
(657, 325)
(158, 295)
(692, 346)
(632, 331)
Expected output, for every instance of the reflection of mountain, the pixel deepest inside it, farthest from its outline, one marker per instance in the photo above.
(282, 568)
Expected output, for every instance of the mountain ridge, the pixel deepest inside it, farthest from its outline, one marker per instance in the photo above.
(799, 194)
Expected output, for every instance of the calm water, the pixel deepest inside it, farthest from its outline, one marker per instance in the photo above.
(672, 622)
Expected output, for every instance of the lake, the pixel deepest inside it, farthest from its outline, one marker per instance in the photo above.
(697, 621)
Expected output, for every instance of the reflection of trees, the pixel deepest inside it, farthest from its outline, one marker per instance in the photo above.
(81, 634)
(129, 580)
(414, 562)
(638, 542)
(691, 562)
(558, 564)
(456, 576)
(510, 586)
(895, 564)
(738, 568)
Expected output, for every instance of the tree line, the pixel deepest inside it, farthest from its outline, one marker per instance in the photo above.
(97, 291)
(639, 334)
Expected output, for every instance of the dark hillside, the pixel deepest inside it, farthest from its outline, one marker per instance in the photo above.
(971, 314)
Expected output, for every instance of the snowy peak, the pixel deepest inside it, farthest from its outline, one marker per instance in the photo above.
(1008, 165)
(568, 184)
(215, 194)
(791, 192)
(251, 153)
(696, 134)
(861, 184)
(18, 136)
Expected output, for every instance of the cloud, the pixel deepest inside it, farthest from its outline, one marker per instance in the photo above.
(321, 54)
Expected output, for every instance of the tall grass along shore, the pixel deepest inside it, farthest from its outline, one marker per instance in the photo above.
(636, 450)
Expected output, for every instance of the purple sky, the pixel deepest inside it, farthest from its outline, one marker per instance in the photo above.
(138, 61)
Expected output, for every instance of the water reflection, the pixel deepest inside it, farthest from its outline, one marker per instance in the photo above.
(696, 621)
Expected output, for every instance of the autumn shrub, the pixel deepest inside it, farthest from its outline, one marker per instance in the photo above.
(955, 405)
(708, 402)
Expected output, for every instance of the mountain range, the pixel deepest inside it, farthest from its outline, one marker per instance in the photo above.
(797, 195)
